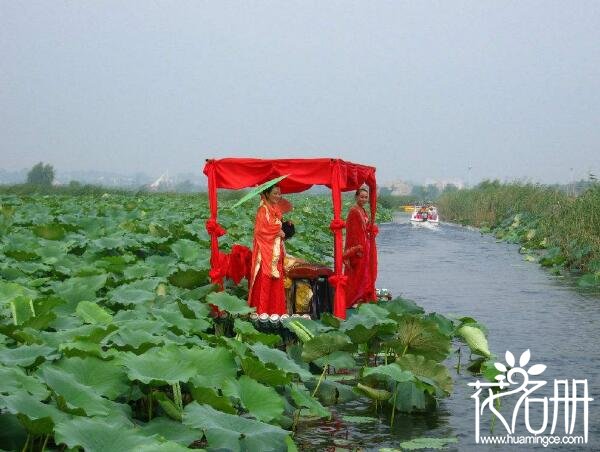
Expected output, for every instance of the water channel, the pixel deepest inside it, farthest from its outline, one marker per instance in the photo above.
(458, 271)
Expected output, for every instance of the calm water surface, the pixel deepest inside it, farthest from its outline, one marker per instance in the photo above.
(457, 271)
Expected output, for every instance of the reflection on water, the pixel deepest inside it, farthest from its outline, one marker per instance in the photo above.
(457, 271)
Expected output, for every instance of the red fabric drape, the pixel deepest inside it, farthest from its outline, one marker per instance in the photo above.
(337, 174)
(338, 280)
(240, 263)
(213, 228)
(237, 173)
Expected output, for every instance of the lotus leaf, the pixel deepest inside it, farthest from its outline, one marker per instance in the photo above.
(251, 334)
(172, 338)
(173, 364)
(26, 355)
(9, 273)
(23, 404)
(68, 264)
(210, 397)
(199, 231)
(229, 303)
(313, 326)
(107, 378)
(20, 246)
(412, 396)
(302, 399)
(366, 322)
(401, 306)
(190, 252)
(422, 368)
(330, 320)
(135, 293)
(189, 278)
(266, 374)
(199, 293)
(70, 325)
(172, 431)
(12, 433)
(92, 313)
(259, 400)
(22, 309)
(374, 393)
(82, 348)
(9, 291)
(360, 420)
(74, 393)
(76, 289)
(238, 347)
(445, 325)
(332, 392)
(339, 360)
(163, 265)
(420, 336)
(324, 344)
(139, 271)
(116, 241)
(172, 316)
(112, 264)
(280, 359)
(427, 443)
(102, 435)
(213, 366)
(391, 372)
(225, 431)
(73, 332)
(51, 231)
(475, 339)
(14, 380)
(31, 268)
(168, 364)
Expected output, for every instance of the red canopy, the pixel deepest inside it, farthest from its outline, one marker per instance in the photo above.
(339, 175)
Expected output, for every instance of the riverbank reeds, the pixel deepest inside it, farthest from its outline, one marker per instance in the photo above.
(539, 218)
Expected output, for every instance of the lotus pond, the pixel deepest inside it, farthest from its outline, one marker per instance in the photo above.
(109, 342)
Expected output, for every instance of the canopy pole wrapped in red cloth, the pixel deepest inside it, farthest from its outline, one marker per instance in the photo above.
(337, 174)
(214, 229)
(338, 279)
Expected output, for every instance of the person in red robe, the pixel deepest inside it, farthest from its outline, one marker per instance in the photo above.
(357, 251)
(266, 289)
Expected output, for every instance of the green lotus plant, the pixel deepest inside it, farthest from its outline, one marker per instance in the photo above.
(109, 338)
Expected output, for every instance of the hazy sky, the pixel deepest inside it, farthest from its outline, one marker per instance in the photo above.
(418, 89)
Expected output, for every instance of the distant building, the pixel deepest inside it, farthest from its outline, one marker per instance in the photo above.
(441, 184)
(399, 188)
(164, 182)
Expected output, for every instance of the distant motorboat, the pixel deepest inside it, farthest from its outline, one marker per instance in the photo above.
(425, 215)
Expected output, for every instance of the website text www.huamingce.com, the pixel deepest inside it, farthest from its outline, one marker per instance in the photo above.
(532, 439)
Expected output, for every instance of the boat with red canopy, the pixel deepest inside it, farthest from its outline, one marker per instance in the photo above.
(337, 174)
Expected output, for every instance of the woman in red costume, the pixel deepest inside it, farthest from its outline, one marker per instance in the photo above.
(357, 251)
(266, 290)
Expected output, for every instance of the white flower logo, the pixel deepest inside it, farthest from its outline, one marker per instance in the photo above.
(510, 369)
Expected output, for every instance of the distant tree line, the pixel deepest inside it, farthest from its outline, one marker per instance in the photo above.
(41, 179)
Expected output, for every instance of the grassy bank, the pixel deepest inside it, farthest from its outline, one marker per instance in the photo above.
(566, 229)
